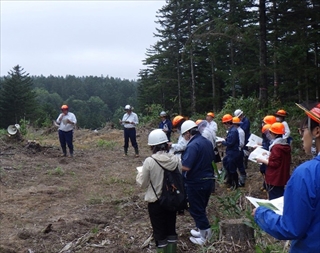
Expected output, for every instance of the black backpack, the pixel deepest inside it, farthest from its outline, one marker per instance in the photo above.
(173, 196)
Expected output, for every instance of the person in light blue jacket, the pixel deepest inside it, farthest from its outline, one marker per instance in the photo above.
(300, 221)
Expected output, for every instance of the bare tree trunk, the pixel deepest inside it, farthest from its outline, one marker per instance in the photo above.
(213, 86)
(275, 48)
(179, 88)
(263, 54)
(193, 84)
(232, 69)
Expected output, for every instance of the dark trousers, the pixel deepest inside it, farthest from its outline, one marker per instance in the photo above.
(66, 138)
(130, 133)
(163, 222)
(198, 197)
(240, 164)
(275, 191)
(230, 162)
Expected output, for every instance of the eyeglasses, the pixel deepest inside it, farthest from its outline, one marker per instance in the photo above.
(301, 130)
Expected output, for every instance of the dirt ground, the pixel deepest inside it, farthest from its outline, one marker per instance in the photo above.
(88, 203)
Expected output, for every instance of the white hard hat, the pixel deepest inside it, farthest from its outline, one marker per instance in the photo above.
(163, 113)
(157, 137)
(237, 113)
(127, 107)
(187, 125)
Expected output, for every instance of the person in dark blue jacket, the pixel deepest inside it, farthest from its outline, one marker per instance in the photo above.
(300, 221)
(246, 128)
(165, 124)
(231, 160)
(199, 179)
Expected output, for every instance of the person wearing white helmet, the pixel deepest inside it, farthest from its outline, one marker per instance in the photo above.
(163, 221)
(165, 124)
(199, 179)
(179, 147)
(246, 128)
(129, 122)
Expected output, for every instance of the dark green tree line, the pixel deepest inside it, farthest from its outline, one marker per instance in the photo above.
(210, 50)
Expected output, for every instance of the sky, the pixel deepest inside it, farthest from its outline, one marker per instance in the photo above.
(81, 38)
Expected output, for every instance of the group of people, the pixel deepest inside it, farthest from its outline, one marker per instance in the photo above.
(194, 154)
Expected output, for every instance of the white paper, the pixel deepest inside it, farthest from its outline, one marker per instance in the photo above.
(219, 139)
(259, 152)
(139, 169)
(254, 141)
(275, 204)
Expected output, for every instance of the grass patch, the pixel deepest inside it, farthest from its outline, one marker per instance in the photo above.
(57, 172)
(108, 145)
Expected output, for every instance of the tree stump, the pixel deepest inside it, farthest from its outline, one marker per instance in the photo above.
(236, 231)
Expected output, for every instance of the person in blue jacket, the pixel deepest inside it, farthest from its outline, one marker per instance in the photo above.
(199, 179)
(165, 124)
(231, 160)
(300, 221)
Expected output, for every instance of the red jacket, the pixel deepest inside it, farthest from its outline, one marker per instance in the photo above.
(278, 169)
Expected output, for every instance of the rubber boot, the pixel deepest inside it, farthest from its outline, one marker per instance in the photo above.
(162, 246)
(205, 235)
(125, 151)
(172, 244)
(242, 180)
(137, 152)
(234, 181)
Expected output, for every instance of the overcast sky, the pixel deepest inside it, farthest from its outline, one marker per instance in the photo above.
(78, 38)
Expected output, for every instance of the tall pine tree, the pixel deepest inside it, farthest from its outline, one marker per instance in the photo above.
(17, 99)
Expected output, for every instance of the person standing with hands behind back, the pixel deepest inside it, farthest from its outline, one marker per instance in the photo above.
(300, 220)
(66, 121)
(165, 124)
(129, 122)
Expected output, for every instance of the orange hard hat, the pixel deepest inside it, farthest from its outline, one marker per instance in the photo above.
(314, 113)
(198, 121)
(269, 119)
(210, 114)
(226, 118)
(176, 120)
(265, 128)
(281, 113)
(236, 120)
(277, 128)
(64, 107)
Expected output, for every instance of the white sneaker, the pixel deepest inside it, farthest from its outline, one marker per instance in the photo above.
(199, 241)
(195, 233)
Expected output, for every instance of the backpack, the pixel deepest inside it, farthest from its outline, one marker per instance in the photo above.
(173, 196)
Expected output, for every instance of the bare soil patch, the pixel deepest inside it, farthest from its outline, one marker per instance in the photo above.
(88, 203)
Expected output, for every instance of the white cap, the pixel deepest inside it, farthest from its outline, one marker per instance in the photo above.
(127, 107)
(237, 113)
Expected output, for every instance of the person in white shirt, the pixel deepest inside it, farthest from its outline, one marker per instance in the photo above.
(212, 125)
(180, 146)
(66, 121)
(129, 122)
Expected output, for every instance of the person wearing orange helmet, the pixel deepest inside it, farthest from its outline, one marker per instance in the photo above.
(212, 125)
(300, 220)
(266, 141)
(278, 165)
(243, 175)
(280, 117)
(180, 146)
(230, 161)
(66, 121)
